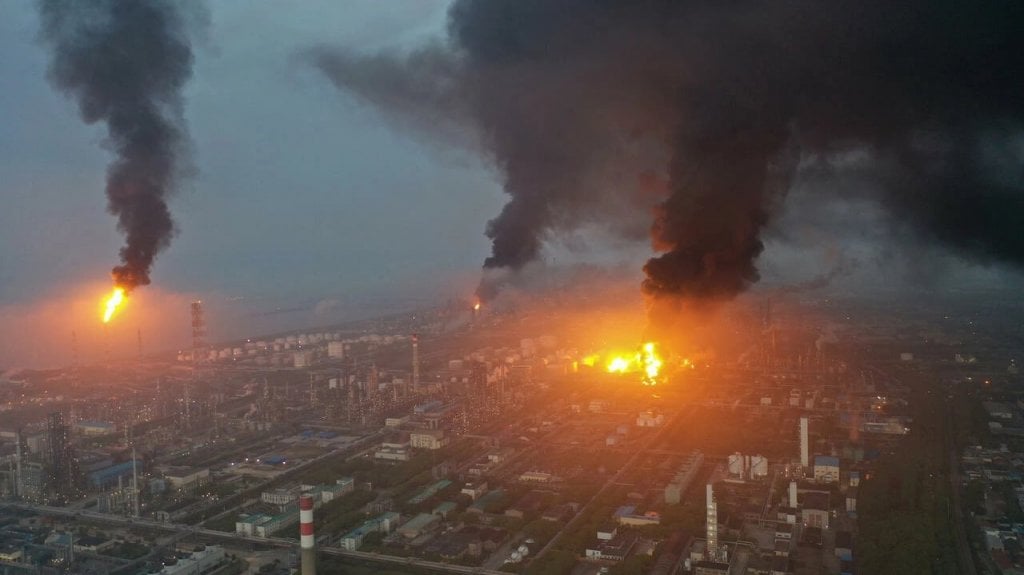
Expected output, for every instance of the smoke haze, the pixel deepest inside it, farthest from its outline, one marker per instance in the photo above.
(703, 113)
(125, 64)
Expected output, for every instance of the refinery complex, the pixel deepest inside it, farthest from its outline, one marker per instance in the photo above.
(482, 442)
(529, 287)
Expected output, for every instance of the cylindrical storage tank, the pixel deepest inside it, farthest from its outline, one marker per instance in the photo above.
(735, 464)
(759, 466)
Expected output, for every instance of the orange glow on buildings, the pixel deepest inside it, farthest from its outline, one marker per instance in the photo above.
(645, 361)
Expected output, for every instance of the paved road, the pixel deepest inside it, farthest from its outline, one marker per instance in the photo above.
(369, 439)
(652, 440)
(186, 530)
(965, 558)
(964, 555)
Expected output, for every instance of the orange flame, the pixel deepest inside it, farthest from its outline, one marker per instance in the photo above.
(646, 360)
(619, 364)
(113, 302)
(476, 306)
(651, 362)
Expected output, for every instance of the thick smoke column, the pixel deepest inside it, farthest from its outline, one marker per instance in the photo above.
(125, 63)
(724, 102)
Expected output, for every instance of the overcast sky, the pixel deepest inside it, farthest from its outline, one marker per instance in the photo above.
(305, 205)
(300, 195)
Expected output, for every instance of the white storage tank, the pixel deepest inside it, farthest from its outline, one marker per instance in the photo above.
(759, 466)
(736, 464)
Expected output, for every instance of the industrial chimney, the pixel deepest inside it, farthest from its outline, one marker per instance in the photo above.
(415, 362)
(712, 527)
(307, 540)
(805, 456)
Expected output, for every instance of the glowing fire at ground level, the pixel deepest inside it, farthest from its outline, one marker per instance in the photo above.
(113, 302)
(646, 361)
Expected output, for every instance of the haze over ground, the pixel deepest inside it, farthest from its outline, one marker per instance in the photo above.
(306, 206)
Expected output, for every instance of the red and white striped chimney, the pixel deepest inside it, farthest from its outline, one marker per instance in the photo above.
(307, 542)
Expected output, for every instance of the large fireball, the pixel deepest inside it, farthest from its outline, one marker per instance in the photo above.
(113, 302)
(646, 360)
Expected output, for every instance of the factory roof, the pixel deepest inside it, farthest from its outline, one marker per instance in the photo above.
(826, 460)
(489, 498)
(625, 510)
(429, 491)
(95, 423)
(444, 507)
(416, 524)
(814, 500)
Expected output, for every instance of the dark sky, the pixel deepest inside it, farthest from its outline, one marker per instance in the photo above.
(306, 205)
(299, 196)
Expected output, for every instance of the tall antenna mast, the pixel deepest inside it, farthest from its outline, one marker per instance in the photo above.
(415, 362)
(198, 330)
(198, 342)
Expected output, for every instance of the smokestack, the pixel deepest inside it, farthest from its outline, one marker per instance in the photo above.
(188, 405)
(135, 484)
(125, 64)
(415, 362)
(792, 494)
(18, 485)
(308, 541)
(712, 529)
(805, 452)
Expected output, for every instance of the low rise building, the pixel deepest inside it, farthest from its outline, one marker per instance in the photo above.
(650, 419)
(627, 515)
(418, 525)
(617, 548)
(392, 453)
(429, 491)
(474, 490)
(683, 478)
(203, 560)
(487, 502)
(352, 540)
(428, 439)
(814, 510)
(264, 525)
(93, 428)
(183, 478)
(281, 496)
(536, 477)
(826, 469)
(11, 552)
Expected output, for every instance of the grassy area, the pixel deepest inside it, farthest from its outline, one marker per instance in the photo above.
(905, 517)
(225, 523)
(127, 550)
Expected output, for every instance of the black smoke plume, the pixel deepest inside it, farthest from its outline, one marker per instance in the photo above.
(125, 62)
(727, 100)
